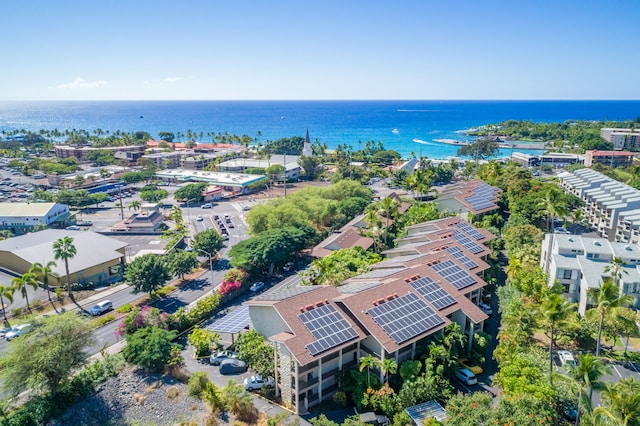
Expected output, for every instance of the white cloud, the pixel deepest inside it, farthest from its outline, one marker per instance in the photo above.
(171, 79)
(81, 83)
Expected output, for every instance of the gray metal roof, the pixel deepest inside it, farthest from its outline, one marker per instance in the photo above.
(91, 248)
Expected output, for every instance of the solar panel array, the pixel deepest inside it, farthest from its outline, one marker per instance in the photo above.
(419, 413)
(405, 317)
(233, 322)
(470, 230)
(461, 257)
(431, 291)
(454, 274)
(329, 328)
(467, 243)
(482, 197)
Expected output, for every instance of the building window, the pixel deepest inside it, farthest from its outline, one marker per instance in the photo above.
(567, 274)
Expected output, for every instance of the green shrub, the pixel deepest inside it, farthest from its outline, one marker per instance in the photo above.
(197, 384)
(203, 340)
(340, 398)
(125, 309)
(99, 322)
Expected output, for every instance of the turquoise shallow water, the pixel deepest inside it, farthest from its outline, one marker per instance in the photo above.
(406, 126)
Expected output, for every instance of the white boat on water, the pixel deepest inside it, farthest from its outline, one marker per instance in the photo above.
(396, 131)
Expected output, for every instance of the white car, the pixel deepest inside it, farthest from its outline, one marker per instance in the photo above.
(207, 206)
(217, 358)
(566, 357)
(199, 218)
(257, 382)
(18, 330)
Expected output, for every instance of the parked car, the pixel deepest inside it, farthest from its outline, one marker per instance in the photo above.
(256, 287)
(469, 365)
(566, 357)
(257, 382)
(560, 230)
(217, 358)
(18, 330)
(466, 376)
(232, 366)
(4, 331)
(73, 228)
(207, 206)
(485, 308)
(101, 308)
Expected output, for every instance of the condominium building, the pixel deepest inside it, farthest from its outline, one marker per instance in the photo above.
(622, 138)
(580, 264)
(474, 196)
(611, 207)
(317, 331)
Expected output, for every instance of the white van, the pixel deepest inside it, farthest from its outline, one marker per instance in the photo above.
(466, 376)
(566, 357)
(101, 308)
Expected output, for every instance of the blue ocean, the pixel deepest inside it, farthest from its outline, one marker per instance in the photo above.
(406, 126)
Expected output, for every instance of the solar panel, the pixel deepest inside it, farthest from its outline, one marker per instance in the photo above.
(233, 322)
(470, 230)
(467, 242)
(431, 291)
(405, 317)
(454, 274)
(329, 328)
(460, 257)
(419, 413)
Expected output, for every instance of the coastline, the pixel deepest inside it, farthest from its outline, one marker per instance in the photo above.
(503, 145)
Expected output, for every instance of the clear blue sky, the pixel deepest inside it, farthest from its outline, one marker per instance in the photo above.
(346, 49)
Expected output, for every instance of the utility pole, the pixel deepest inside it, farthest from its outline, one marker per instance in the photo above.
(210, 262)
(121, 206)
(285, 175)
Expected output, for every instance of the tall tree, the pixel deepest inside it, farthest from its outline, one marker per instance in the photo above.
(388, 366)
(22, 283)
(47, 357)
(555, 310)
(148, 273)
(64, 249)
(621, 403)
(606, 298)
(586, 374)
(6, 292)
(43, 273)
(368, 362)
(552, 204)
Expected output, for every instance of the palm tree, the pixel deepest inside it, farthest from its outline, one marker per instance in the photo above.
(43, 272)
(622, 403)
(388, 366)
(615, 268)
(135, 205)
(388, 209)
(606, 298)
(6, 292)
(586, 374)
(64, 249)
(576, 217)
(555, 310)
(28, 279)
(368, 362)
(552, 205)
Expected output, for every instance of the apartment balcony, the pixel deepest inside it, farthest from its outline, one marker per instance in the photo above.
(307, 367)
(304, 385)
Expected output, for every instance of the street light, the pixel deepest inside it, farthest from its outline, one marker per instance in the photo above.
(210, 262)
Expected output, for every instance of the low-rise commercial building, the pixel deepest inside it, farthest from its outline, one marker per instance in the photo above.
(613, 159)
(21, 218)
(99, 259)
